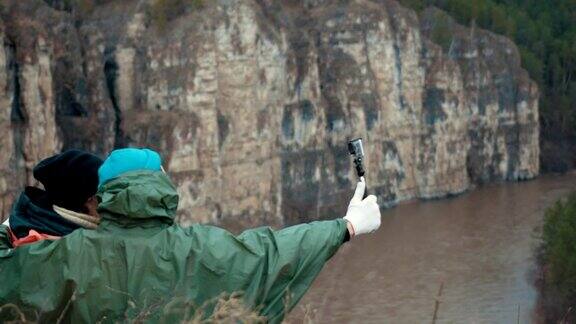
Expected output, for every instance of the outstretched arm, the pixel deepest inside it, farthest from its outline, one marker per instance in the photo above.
(275, 268)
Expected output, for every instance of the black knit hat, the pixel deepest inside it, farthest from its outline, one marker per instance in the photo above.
(69, 178)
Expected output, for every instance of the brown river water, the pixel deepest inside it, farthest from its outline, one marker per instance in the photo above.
(475, 251)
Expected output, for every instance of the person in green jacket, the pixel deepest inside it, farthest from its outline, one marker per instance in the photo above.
(138, 264)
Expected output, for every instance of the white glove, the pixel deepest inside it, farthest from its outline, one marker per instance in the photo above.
(363, 215)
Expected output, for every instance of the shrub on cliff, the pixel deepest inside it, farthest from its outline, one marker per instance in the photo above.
(558, 261)
(162, 11)
(442, 35)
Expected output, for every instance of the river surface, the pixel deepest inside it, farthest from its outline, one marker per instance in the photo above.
(469, 259)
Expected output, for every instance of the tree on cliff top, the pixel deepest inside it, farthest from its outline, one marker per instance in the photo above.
(558, 261)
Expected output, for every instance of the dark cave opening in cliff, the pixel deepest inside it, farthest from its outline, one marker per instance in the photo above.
(111, 74)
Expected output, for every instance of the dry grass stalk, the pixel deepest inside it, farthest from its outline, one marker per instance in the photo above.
(223, 309)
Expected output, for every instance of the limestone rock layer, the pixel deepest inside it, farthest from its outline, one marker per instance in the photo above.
(251, 102)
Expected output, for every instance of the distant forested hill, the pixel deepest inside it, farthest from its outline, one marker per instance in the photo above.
(545, 32)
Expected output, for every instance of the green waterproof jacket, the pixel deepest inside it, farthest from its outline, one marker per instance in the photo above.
(138, 264)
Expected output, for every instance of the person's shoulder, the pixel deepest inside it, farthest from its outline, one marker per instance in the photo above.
(201, 230)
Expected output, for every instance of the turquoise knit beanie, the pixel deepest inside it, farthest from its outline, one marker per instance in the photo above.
(126, 160)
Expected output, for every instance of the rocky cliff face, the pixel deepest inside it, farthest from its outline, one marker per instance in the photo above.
(251, 102)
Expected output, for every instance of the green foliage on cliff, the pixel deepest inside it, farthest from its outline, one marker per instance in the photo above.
(82, 7)
(545, 32)
(559, 259)
(162, 11)
(85, 6)
(442, 35)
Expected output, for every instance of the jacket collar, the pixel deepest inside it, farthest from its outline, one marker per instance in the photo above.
(33, 211)
(84, 220)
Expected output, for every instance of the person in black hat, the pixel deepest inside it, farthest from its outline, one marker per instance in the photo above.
(68, 201)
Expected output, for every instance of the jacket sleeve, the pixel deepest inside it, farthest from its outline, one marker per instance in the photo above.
(273, 269)
(33, 279)
(6, 247)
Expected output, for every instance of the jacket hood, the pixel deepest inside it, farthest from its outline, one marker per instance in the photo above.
(137, 197)
(33, 211)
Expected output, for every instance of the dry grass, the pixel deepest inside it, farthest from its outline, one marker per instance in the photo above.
(229, 310)
(14, 310)
(224, 309)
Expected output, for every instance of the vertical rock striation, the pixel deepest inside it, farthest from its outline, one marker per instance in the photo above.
(251, 102)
